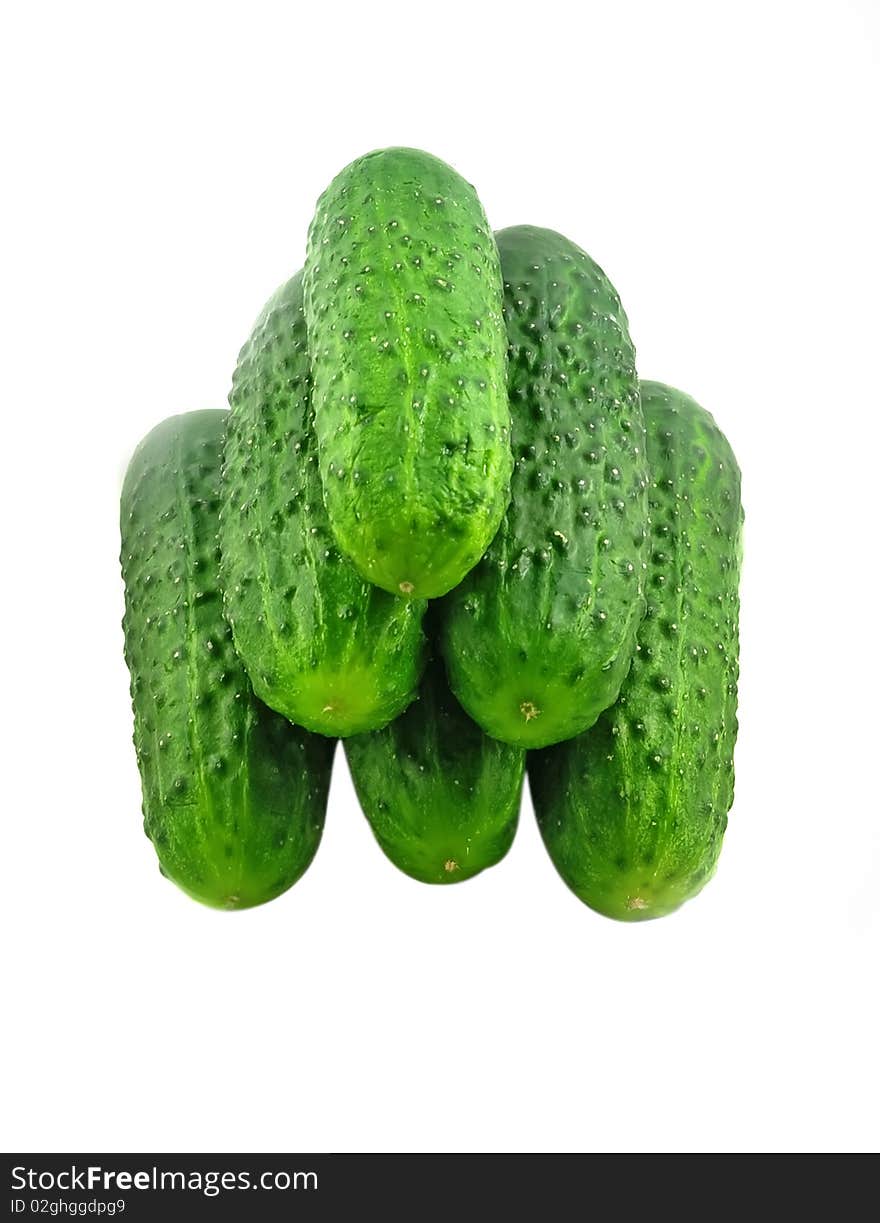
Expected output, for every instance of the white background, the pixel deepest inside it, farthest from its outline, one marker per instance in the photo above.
(161, 164)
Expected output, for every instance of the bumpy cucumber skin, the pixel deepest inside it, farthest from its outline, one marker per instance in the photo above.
(441, 797)
(233, 796)
(321, 645)
(634, 811)
(551, 611)
(407, 342)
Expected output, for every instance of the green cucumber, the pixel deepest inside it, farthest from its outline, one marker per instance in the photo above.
(441, 797)
(407, 344)
(549, 616)
(322, 645)
(634, 811)
(233, 795)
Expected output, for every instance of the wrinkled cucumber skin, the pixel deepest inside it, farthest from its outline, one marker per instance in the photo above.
(233, 796)
(634, 811)
(322, 645)
(441, 797)
(407, 345)
(551, 611)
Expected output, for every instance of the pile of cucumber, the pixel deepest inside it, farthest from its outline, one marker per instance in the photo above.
(444, 521)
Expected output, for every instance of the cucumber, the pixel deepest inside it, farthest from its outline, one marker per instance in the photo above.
(233, 795)
(441, 797)
(551, 611)
(634, 811)
(321, 645)
(407, 345)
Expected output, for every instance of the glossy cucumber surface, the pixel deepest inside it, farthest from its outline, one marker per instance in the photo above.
(634, 811)
(407, 345)
(234, 796)
(538, 637)
(322, 645)
(441, 797)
